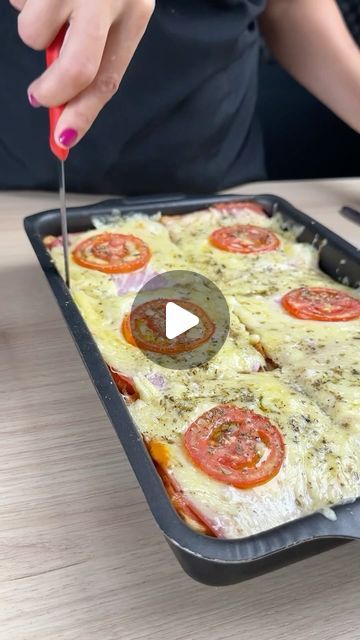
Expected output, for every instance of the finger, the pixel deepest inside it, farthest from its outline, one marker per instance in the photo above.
(17, 4)
(79, 60)
(123, 40)
(39, 22)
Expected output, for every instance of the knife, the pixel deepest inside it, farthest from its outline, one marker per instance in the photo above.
(351, 214)
(52, 53)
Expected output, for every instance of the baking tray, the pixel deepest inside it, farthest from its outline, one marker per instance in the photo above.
(206, 559)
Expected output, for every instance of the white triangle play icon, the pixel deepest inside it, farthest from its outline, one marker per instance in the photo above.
(178, 320)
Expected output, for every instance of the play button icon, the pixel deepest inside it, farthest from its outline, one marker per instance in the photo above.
(179, 319)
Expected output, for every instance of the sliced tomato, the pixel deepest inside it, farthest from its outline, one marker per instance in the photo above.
(112, 253)
(145, 328)
(244, 238)
(236, 446)
(126, 330)
(187, 512)
(238, 207)
(321, 303)
(126, 386)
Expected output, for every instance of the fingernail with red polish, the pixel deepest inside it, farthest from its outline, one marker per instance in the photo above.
(68, 137)
(34, 103)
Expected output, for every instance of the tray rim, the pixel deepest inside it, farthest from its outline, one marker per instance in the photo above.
(220, 551)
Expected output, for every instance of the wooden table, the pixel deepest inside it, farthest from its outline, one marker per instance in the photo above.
(80, 555)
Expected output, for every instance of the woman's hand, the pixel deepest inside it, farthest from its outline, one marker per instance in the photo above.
(101, 40)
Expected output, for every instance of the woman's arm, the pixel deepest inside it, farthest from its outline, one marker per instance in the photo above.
(311, 41)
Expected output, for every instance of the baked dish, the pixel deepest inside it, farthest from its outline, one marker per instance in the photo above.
(268, 430)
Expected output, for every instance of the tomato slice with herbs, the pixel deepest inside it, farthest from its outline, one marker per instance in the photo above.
(237, 207)
(126, 386)
(236, 446)
(244, 238)
(112, 253)
(321, 303)
(145, 327)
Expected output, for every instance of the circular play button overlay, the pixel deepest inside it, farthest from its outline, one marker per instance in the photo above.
(179, 320)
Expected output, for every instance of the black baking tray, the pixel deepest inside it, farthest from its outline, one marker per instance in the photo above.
(206, 559)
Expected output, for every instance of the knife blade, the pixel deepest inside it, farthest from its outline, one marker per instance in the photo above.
(64, 225)
(52, 54)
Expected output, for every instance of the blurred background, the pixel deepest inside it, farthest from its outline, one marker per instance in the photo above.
(302, 138)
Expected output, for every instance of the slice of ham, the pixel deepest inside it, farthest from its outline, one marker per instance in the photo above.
(57, 241)
(236, 208)
(184, 505)
(133, 281)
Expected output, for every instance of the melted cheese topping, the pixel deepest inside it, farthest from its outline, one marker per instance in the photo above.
(323, 358)
(165, 256)
(104, 318)
(248, 274)
(320, 467)
(313, 397)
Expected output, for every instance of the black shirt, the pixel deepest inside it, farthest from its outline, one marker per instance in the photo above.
(182, 121)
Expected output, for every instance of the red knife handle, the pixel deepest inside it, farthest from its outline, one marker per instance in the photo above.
(52, 54)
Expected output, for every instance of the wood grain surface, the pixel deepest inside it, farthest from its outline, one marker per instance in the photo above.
(80, 555)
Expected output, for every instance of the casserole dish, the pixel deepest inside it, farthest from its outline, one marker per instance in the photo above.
(208, 560)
